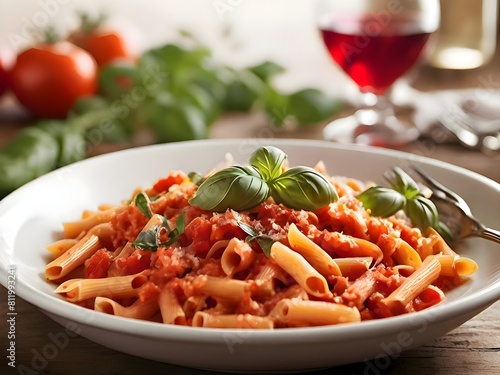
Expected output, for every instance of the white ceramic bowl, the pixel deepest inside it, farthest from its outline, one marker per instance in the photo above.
(31, 218)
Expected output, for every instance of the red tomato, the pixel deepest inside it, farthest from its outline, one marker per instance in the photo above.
(97, 266)
(49, 78)
(104, 45)
(163, 184)
(3, 78)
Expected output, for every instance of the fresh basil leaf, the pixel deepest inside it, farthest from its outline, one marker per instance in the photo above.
(243, 91)
(276, 106)
(265, 242)
(142, 202)
(422, 212)
(310, 106)
(196, 178)
(177, 231)
(173, 120)
(403, 183)
(303, 188)
(248, 229)
(150, 239)
(236, 187)
(382, 201)
(266, 70)
(147, 240)
(443, 230)
(269, 161)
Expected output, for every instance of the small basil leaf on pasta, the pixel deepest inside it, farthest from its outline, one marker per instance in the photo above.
(142, 202)
(175, 233)
(265, 242)
(237, 187)
(303, 188)
(268, 161)
(248, 229)
(382, 201)
(148, 240)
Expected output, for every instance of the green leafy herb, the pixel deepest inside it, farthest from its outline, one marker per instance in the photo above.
(265, 242)
(268, 161)
(405, 195)
(143, 204)
(243, 187)
(175, 233)
(236, 187)
(303, 188)
(150, 239)
(382, 201)
(403, 183)
(266, 70)
(422, 212)
(196, 178)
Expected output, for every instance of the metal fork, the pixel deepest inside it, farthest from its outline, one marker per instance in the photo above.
(481, 134)
(455, 212)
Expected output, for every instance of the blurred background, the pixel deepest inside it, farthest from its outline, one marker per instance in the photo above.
(278, 79)
(242, 32)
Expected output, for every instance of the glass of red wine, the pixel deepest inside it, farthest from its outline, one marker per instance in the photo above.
(375, 42)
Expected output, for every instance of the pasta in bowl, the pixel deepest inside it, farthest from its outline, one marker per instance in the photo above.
(240, 270)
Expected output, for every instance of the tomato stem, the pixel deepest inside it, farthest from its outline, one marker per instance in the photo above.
(89, 24)
(51, 35)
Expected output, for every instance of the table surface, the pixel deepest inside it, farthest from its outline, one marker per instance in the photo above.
(473, 348)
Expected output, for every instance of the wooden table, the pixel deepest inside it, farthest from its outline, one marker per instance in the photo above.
(472, 348)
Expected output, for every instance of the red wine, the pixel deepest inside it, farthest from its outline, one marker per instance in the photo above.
(374, 55)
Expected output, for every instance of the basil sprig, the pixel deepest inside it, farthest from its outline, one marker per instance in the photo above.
(243, 187)
(405, 195)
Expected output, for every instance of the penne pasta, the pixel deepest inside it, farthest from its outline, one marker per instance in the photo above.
(455, 265)
(301, 271)
(73, 257)
(268, 267)
(170, 308)
(315, 255)
(216, 247)
(300, 312)
(229, 289)
(73, 229)
(138, 310)
(77, 290)
(354, 267)
(434, 244)
(202, 319)
(237, 257)
(76, 255)
(416, 283)
(60, 247)
(406, 255)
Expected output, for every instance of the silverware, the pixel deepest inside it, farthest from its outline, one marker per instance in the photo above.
(455, 212)
(471, 132)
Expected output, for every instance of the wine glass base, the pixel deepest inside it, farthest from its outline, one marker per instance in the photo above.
(369, 127)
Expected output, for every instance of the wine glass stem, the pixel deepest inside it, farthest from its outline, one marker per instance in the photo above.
(374, 109)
